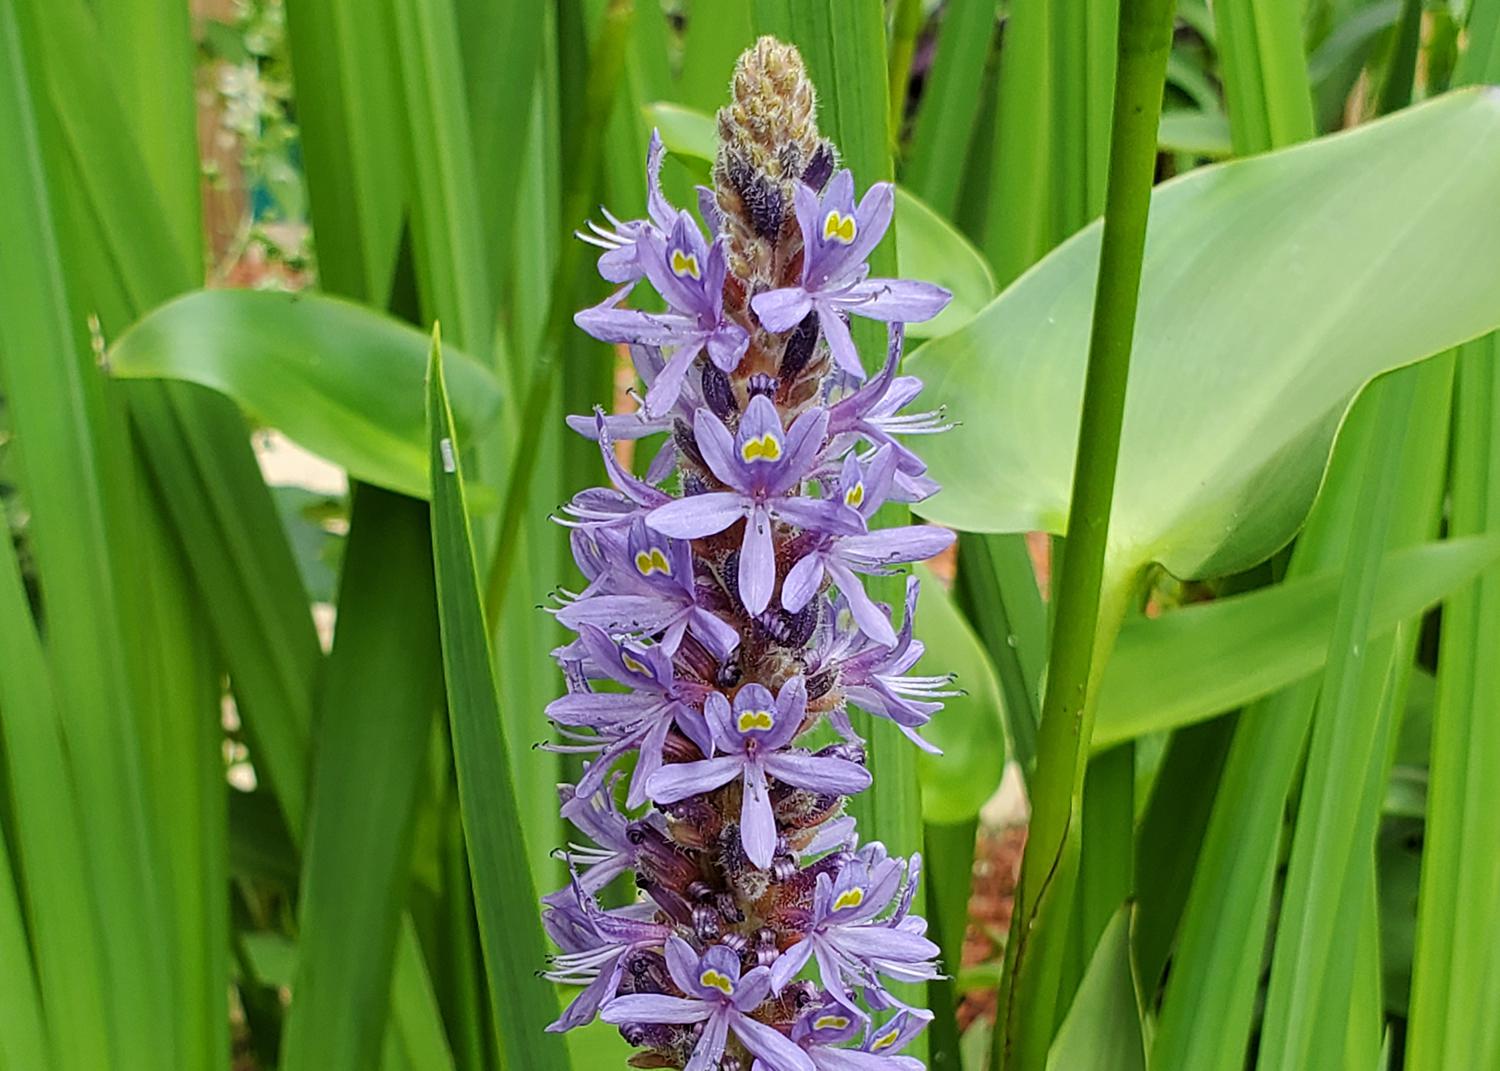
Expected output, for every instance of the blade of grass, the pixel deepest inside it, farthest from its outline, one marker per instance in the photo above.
(948, 847)
(501, 46)
(505, 899)
(1347, 740)
(184, 747)
(1456, 967)
(347, 102)
(381, 689)
(22, 1041)
(1207, 1012)
(71, 972)
(950, 103)
(716, 35)
(72, 465)
(1265, 73)
(1456, 963)
(906, 24)
(1089, 602)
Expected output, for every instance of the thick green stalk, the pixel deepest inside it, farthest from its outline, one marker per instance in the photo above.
(1088, 615)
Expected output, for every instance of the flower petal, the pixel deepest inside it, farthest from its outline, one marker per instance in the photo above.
(757, 823)
(757, 575)
(840, 342)
(802, 582)
(664, 392)
(710, 1044)
(821, 772)
(717, 447)
(771, 1045)
(697, 515)
(683, 779)
(901, 300)
(781, 310)
(654, 1008)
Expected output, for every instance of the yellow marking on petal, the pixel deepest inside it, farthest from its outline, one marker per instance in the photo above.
(632, 664)
(886, 1040)
(685, 264)
(765, 448)
(849, 898)
(652, 561)
(714, 980)
(838, 227)
(756, 719)
(830, 1022)
(855, 496)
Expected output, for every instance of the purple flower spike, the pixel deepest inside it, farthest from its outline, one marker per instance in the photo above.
(752, 736)
(719, 998)
(837, 238)
(722, 619)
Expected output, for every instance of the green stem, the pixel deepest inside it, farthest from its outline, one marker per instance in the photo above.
(606, 68)
(1028, 1011)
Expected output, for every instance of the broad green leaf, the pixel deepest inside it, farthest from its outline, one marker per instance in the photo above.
(1103, 1030)
(927, 246)
(381, 689)
(334, 376)
(1193, 663)
(956, 784)
(504, 896)
(1274, 288)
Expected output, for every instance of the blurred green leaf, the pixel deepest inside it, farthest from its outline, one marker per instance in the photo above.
(956, 784)
(381, 689)
(1198, 133)
(336, 377)
(950, 103)
(1274, 288)
(1103, 1030)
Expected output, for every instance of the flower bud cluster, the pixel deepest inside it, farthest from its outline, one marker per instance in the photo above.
(724, 629)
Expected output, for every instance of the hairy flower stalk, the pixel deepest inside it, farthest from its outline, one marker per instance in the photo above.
(724, 627)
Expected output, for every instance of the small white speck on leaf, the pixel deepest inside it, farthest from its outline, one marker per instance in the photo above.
(445, 447)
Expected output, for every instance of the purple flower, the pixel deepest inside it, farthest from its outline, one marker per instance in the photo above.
(596, 946)
(873, 413)
(596, 815)
(851, 944)
(864, 489)
(762, 464)
(648, 587)
(827, 1024)
(752, 737)
(873, 676)
(637, 720)
(837, 238)
(621, 261)
(718, 997)
(648, 362)
(689, 275)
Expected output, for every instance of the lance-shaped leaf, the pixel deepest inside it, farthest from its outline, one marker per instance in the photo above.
(510, 929)
(1273, 289)
(341, 380)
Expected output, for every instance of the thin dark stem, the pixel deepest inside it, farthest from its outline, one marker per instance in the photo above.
(1090, 604)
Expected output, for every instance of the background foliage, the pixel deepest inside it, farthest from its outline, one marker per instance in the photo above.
(1282, 826)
